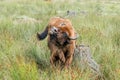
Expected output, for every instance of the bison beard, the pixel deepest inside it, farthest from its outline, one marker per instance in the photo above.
(61, 41)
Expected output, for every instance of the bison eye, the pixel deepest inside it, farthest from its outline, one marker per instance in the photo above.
(65, 34)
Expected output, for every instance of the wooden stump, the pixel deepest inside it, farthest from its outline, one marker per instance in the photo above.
(83, 59)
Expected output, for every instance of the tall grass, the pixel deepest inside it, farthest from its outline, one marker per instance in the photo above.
(23, 57)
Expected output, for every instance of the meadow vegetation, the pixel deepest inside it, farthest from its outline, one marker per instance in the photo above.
(23, 57)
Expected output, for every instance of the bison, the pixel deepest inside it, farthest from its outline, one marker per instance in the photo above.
(61, 40)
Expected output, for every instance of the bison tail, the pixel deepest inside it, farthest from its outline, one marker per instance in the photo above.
(42, 35)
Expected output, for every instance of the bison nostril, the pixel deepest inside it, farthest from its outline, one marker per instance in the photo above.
(55, 30)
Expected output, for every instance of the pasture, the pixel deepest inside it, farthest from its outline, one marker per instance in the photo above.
(23, 57)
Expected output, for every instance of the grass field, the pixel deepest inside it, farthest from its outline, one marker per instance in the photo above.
(23, 57)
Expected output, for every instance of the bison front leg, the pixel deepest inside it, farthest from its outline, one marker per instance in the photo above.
(69, 56)
(52, 59)
(53, 50)
(61, 56)
(68, 61)
(56, 57)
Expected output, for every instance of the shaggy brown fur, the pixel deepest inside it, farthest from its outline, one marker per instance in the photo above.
(61, 40)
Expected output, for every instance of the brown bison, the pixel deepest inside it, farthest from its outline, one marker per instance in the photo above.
(61, 40)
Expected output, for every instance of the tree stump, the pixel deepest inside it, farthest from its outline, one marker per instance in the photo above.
(83, 59)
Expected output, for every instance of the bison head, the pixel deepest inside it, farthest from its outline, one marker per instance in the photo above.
(57, 26)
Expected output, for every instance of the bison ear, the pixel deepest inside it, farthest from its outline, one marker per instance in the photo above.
(43, 35)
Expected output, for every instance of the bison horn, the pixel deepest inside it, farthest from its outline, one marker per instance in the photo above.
(74, 38)
(43, 35)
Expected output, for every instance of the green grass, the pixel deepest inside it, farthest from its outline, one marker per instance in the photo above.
(23, 57)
